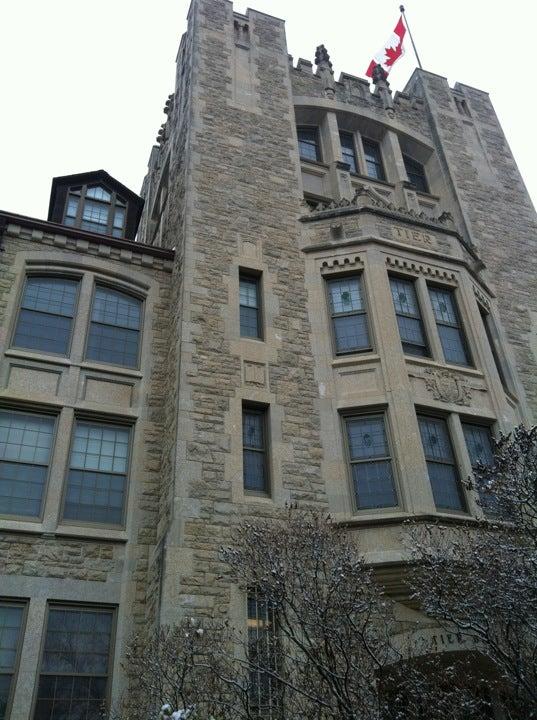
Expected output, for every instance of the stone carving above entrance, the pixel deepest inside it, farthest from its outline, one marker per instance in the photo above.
(448, 387)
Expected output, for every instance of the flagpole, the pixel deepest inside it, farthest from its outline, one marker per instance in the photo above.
(402, 9)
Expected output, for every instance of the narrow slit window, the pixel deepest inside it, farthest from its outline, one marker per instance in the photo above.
(97, 481)
(408, 316)
(46, 314)
(75, 664)
(449, 326)
(25, 447)
(348, 151)
(254, 453)
(371, 464)
(11, 621)
(114, 334)
(349, 316)
(373, 159)
(250, 315)
(263, 652)
(441, 465)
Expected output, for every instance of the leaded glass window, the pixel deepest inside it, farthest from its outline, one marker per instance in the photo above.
(249, 307)
(25, 447)
(46, 314)
(114, 333)
(416, 174)
(371, 464)
(262, 655)
(449, 326)
(349, 317)
(373, 159)
(11, 617)
(408, 316)
(347, 150)
(254, 449)
(480, 450)
(441, 465)
(97, 480)
(75, 665)
(308, 143)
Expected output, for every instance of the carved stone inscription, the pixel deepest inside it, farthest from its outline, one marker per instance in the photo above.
(415, 237)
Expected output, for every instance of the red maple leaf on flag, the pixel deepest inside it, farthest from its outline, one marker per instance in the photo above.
(392, 54)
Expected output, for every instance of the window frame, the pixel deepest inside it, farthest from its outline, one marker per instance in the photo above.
(260, 626)
(55, 416)
(103, 421)
(421, 316)
(425, 189)
(431, 414)
(372, 412)
(10, 602)
(453, 290)
(489, 426)
(366, 140)
(360, 276)
(264, 412)
(98, 281)
(318, 147)
(257, 278)
(351, 136)
(116, 201)
(76, 605)
(59, 275)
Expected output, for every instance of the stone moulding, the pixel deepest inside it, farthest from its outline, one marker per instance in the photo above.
(448, 387)
(420, 268)
(342, 262)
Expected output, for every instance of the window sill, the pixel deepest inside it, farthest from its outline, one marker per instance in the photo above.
(355, 359)
(398, 517)
(111, 369)
(315, 164)
(38, 356)
(428, 362)
(92, 533)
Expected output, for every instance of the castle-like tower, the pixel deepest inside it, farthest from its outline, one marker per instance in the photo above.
(332, 300)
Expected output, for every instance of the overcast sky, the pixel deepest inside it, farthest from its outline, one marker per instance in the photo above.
(83, 84)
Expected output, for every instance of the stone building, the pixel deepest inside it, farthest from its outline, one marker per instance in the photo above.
(332, 299)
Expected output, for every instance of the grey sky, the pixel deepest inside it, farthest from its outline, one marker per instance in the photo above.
(83, 85)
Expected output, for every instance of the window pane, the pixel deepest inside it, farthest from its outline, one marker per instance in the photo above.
(10, 636)
(72, 207)
(416, 174)
(373, 485)
(411, 331)
(367, 438)
(45, 318)
(95, 212)
(114, 331)
(347, 150)
(346, 295)
(435, 439)
(479, 444)
(249, 307)
(77, 642)
(404, 297)
(248, 292)
(373, 160)
(440, 463)
(308, 144)
(252, 430)
(445, 485)
(249, 324)
(443, 306)
(453, 345)
(254, 451)
(351, 333)
(119, 218)
(97, 481)
(262, 651)
(98, 193)
(254, 470)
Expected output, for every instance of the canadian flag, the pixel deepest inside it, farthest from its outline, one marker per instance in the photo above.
(392, 50)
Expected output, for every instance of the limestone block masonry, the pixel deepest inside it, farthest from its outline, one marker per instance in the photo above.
(392, 246)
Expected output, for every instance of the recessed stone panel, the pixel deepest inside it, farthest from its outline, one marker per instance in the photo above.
(108, 392)
(33, 381)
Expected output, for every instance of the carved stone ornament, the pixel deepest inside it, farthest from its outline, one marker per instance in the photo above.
(448, 387)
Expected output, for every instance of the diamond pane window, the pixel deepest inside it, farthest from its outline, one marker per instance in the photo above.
(441, 466)
(347, 150)
(349, 317)
(373, 159)
(114, 333)
(254, 450)
(97, 481)
(73, 679)
(449, 326)
(371, 465)
(46, 314)
(308, 144)
(249, 307)
(11, 616)
(408, 317)
(25, 446)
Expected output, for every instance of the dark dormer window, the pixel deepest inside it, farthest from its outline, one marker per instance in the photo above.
(96, 209)
(416, 174)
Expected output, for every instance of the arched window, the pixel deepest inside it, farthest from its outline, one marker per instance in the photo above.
(96, 209)
(114, 334)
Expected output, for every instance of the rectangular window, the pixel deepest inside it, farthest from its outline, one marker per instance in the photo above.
(408, 316)
(11, 621)
(416, 174)
(441, 465)
(347, 150)
(480, 450)
(114, 334)
(449, 326)
(308, 144)
(95, 216)
(373, 159)
(46, 314)
(25, 447)
(75, 665)
(97, 481)
(254, 449)
(490, 332)
(262, 653)
(250, 319)
(371, 464)
(349, 317)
